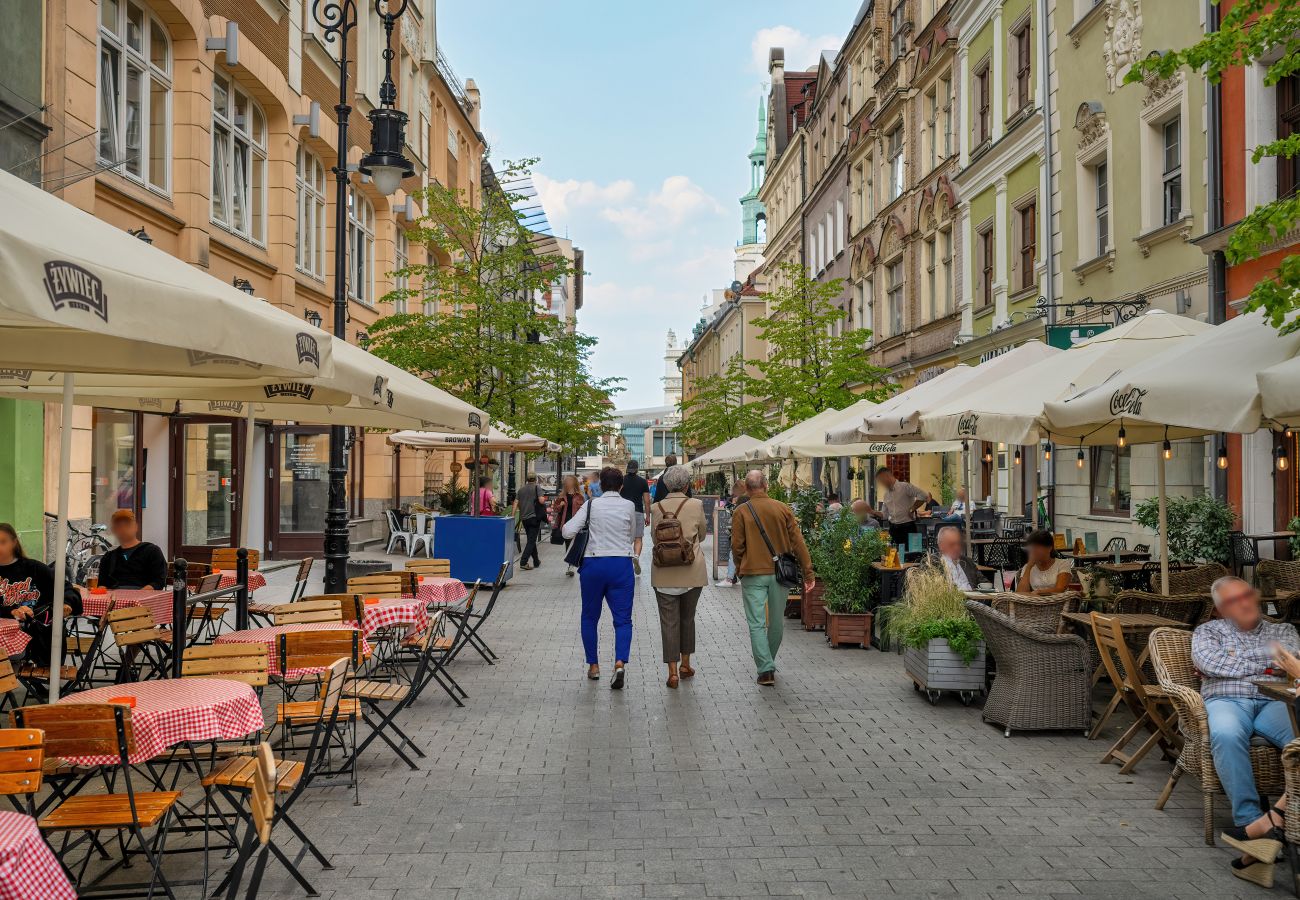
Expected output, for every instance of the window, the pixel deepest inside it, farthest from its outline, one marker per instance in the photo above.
(896, 163)
(238, 161)
(932, 277)
(894, 297)
(1172, 176)
(135, 91)
(113, 476)
(1288, 123)
(898, 29)
(310, 182)
(862, 290)
(870, 192)
(840, 239)
(401, 259)
(1109, 481)
(983, 104)
(1101, 215)
(860, 218)
(986, 267)
(1027, 238)
(931, 134)
(945, 274)
(361, 248)
(945, 99)
(1024, 57)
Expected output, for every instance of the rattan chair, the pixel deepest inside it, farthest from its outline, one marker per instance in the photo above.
(1196, 581)
(1189, 609)
(1284, 573)
(1291, 774)
(1040, 613)
(1171, 657)
(1042, 680)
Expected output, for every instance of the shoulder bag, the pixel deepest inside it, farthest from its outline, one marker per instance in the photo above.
(578, 546)
(786, 565)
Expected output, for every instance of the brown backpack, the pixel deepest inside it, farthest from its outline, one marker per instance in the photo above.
(670, 545)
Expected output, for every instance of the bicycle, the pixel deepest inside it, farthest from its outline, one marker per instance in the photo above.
(83, 549)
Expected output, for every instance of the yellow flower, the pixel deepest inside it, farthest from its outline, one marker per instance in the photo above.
(848, 544)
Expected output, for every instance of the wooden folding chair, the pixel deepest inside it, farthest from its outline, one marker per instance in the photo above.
(384, 584)
(477, 620)
(249, 663)
(8, 684)
(293, 716)
(1149, 704)
(440, 648)
(300, 579)
(98, 729)
(22, 759)
(203, 619)
(227, 558)
(311, 610)
(35, 677)
(137, 636)
(436, 568)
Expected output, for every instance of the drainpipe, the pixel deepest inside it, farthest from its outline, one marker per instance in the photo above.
(1049, 288)
(1218, 265)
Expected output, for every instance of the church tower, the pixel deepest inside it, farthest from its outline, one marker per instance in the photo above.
(753, 216)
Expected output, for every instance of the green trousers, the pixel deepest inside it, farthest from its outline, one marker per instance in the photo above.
(765, 610)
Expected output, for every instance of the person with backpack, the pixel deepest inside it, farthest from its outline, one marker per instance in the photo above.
(678, 572)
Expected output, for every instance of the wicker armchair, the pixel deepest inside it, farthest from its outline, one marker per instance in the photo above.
(1042, 680)
(1040, 613)
(1196, 581)
(1285, 574)
(1171, 656)
(1189, 609)
(1291, 772)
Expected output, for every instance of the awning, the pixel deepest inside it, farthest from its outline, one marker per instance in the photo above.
(729, 453)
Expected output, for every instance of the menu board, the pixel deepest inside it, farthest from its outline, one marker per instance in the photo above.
(721, 522)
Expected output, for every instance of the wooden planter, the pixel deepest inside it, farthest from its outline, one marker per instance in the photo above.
(937, 668)
(794, 605)
(848, 628)
(812, 611)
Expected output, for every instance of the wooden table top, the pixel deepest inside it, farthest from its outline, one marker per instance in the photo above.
(881, 567)
(1280, 689)
(1102, 556)
(1271, 536)
(1128, 620)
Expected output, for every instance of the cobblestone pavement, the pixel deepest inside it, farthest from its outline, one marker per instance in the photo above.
(841, 781)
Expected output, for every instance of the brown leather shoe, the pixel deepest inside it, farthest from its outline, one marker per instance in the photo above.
(767, 679)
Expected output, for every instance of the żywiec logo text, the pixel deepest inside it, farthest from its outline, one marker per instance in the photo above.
(230, 406)
(23, 375)
(308, 349)
(290, 389)
(388, 398)
(71, 285)
(1127, 403)
(967, 424)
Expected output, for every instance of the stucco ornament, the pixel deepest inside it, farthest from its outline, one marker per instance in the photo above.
(1123, 44)
(1090, 122)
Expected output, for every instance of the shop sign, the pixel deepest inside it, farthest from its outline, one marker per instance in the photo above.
(1063, 337)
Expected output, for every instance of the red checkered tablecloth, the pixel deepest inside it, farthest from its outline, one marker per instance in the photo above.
(436, 591)
(271, 638)
(28, 867)
(14, 641)
(158, 602)
(172, 712)
(395, 611)
(255, 580)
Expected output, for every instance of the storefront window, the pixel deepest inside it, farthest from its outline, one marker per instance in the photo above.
(1110, 485)
(304, 481)
(113, 475)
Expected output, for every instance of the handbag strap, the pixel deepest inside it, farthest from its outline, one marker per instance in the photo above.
(586, 525)
(761, 531)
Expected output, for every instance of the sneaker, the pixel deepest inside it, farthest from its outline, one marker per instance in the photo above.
(724, 583)
(767, 679)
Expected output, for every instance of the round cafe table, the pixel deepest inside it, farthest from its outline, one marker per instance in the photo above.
(28, 868)
(437, 591)
(158, 602)
(229, 578)
(270, 636)
(13, 642)
(177, 711)
(390, 611)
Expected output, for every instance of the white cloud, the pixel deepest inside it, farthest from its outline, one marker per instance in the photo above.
(561, 198)
(676, 204)
(801, 50)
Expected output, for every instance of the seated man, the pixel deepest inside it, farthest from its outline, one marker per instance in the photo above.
(133, 563)
(1232, 653)
(961, 570)
(866, 516)
(957, 512)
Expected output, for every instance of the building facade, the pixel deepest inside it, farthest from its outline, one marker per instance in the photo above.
(223, 158)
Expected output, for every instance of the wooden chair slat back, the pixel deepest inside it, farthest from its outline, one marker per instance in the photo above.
(434, 567)
(21, 756)
(384, 584)
(131, 624)
(304, 568)
(318, 649)
(228, 558)
(263, 799)
(322, 609)
(1116, 656)
(208, 583)
(8, 680)
(331, 690)
(249, 663)
(78, 729)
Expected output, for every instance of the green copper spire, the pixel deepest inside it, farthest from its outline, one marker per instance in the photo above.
(753, 216)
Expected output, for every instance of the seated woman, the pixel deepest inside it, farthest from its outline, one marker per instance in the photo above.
(1044, 574)
(133, 563)
(27, 593)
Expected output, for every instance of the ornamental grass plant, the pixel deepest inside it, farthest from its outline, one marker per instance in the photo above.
(932, 607)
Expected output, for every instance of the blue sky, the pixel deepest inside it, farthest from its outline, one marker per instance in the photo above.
(642, 116)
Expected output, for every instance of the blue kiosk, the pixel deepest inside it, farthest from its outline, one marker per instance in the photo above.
(476, 546)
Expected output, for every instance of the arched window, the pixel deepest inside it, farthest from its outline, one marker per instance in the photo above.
(361, 249)
(311, 214)
(760, 228)
(238, 161)
(135, 93)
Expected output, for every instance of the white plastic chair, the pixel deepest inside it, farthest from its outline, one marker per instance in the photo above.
(397, 533)
(421, 535)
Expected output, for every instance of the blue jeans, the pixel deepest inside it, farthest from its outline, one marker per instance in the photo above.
(607, 579)
(1233, 722)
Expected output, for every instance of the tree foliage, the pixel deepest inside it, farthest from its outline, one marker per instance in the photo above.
(567, 404)
(810, 365)
(1252, 30)
(723, 406)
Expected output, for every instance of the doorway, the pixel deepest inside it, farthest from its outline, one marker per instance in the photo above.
(298, 490)
(206, 456)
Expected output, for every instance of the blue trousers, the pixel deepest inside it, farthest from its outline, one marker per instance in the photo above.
(607, 579)
(1233, 722)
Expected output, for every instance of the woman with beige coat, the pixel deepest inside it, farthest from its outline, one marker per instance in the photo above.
(677, 587)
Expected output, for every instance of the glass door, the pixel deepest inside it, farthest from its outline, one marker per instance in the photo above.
(206, 455)
(299, 491)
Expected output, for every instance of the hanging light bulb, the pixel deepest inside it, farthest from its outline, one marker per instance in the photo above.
(1167, 449)
(1017, 456)
(1286, 432)
(1079, 460)
(1047, 451)
(988, 454)
(1222, 461)
(1122, 440)
(1281, 459)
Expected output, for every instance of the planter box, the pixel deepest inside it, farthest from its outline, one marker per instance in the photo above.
(848, 628)
(794, 605)
(812, 611)
(937, 668)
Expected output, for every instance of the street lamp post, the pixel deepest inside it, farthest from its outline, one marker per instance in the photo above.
(387, 167)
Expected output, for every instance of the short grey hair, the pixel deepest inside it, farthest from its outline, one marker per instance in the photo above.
(756, 479)
(1216, 589)
(940, 533)
(676, 478)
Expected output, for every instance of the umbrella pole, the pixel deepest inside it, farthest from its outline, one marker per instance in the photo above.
(473, 481)
(966, 470)
(1162, 523)
(61, 539)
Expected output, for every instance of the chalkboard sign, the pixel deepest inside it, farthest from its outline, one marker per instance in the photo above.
(710, 502)
(721, 522)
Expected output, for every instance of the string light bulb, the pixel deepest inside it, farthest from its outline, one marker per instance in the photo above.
(1166, 448)
(988, 453)
(1017, 457)
(1122, 440)
(1079, 460)
(1222, 461)
(1047, 451)
(1282, 460)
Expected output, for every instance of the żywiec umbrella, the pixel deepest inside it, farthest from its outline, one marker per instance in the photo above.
(495, 440)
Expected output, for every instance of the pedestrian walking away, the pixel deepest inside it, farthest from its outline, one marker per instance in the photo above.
(661, 489)
(531, 507)
(678, 572)
(637, 490)
(563, 508)
(764, 596)
(738, 497)
(606, 575)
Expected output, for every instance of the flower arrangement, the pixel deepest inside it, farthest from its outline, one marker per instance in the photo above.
(932, 607)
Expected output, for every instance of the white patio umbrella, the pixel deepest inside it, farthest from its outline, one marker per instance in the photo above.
(776, 447)
(493, 441)
(80, 295)
(1279, 390)
(728, 453)
(849, 428)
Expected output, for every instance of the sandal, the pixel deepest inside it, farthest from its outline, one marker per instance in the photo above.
(686, 671)
(672, 682)
(593, 672)
(1260, 873)
(1266, 849)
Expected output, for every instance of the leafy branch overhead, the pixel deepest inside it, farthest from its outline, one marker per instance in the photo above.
(1253, 31)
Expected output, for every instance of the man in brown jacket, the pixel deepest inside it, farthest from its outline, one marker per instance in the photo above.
(764, 597)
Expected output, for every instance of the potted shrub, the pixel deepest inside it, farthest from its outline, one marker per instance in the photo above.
(807, 506)
(943, 648)
(1199, 527)
(845, 553)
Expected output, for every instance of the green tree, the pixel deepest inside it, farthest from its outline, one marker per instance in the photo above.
(809, 367)
(723, 406)
(479, 340)
(567, 404)
(1250, 31)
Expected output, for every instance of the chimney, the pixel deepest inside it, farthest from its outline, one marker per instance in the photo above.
(475, 101)
(779, 116)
